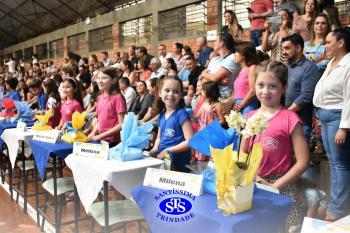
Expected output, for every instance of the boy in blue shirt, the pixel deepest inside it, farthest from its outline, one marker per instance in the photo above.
(10, 86)
(39, 100)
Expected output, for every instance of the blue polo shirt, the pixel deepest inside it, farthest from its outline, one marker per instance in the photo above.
(13, 95)
(41, 101)
(171, 134)
(203, 56)
(302, 79)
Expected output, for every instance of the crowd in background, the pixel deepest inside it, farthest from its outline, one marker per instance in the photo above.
(300, 58)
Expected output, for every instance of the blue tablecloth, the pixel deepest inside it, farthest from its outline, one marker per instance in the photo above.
(4, 126)
(267, 215)
(42, 151)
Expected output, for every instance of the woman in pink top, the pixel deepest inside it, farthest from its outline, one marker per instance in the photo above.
(72, 103)
(110, 108)
(283, 135)
(244, 85)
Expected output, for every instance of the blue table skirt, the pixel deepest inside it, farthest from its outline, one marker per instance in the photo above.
(267, 215)
(42, 151)
(4, 126)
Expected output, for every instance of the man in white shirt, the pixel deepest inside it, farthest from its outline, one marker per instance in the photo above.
(127, 91)
(11, 65)
(35, 60)
(227, 69)
(106, 61)
(117, 58)
(162, 54)
(155, 66)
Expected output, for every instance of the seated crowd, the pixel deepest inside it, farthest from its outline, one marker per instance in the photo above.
(301, 71)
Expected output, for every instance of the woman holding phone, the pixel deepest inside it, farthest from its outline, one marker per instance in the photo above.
(273, 40)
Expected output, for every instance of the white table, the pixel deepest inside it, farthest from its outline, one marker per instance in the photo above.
(91, 173)
(12, 137)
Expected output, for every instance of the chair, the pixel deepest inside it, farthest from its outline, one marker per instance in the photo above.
(121, 211)
(29, 168)
(64, 185)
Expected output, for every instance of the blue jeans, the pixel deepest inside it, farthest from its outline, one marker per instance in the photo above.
(254, 104)
(339, 162)
(307, 132)
(255, 37)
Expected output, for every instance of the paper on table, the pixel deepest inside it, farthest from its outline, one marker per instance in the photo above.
(344, 221)
(311, 225)
(340, 226)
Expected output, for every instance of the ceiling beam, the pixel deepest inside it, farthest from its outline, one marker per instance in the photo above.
(50, 11)
(8, 33)
(70, 8)
(105, 5)
(27, 25)
(13, 9)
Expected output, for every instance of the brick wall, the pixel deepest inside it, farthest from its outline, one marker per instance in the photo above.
(212, 11)
(212, 16)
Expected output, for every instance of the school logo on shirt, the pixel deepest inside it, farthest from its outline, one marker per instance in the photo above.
(169, 132)
(269, 143)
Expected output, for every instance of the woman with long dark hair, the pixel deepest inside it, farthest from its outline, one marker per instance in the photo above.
(273, 41)
(332, 97)
(315, 49)
(143, 101)
(303, 23)
(232, 26)
(128, 72)
(170, 65)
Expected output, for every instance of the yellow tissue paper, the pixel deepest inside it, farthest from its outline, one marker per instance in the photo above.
(74, 134)
(41, 124)
(234, 186)
(78, 120)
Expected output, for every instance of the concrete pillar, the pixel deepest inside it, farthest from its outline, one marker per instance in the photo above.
(48, 50)
(219, 14)
(212, 14)
(115, 31)
(155, 34)
(87, 46)
(65, 46)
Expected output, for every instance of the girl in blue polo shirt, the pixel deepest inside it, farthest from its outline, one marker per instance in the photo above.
(175, 128)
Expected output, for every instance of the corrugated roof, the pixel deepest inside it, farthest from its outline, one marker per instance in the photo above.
(24, 19)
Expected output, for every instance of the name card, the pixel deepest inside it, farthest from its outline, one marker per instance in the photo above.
(21, 126)
(212, 35)
(91, 150)
(49, 136)
(164, 179)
